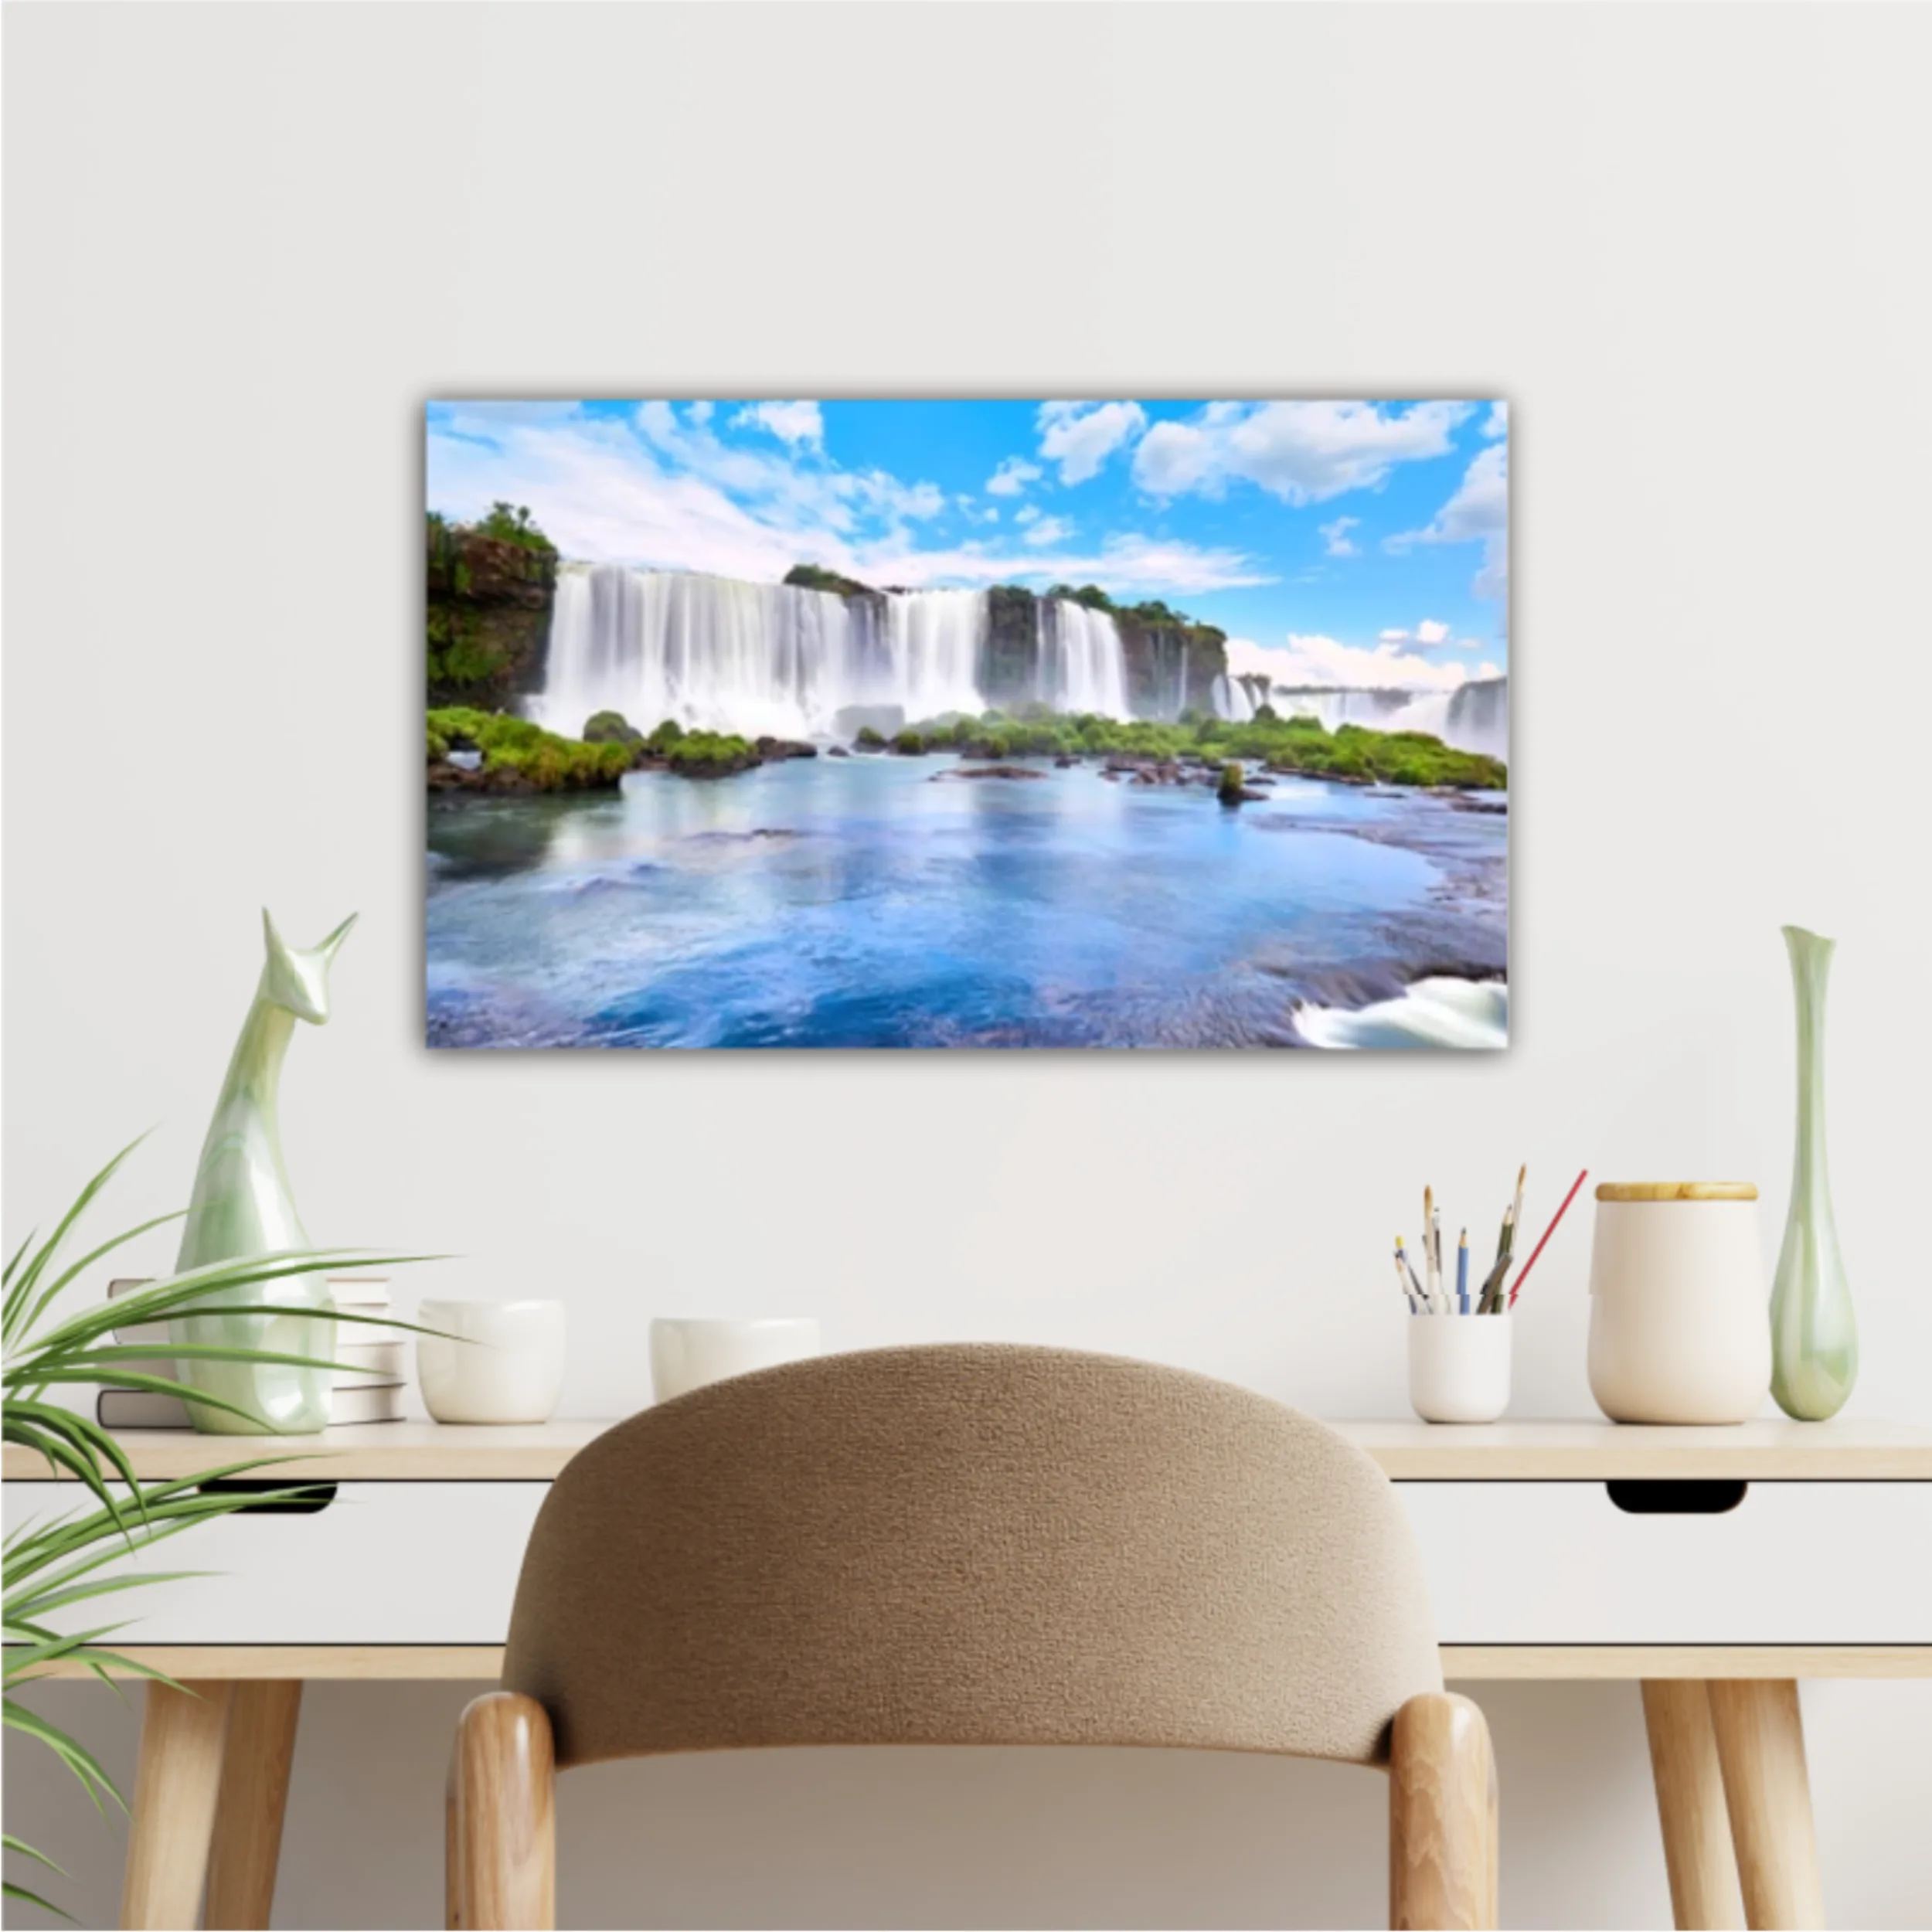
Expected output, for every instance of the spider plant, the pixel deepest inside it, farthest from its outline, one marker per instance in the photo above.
(80, 1555)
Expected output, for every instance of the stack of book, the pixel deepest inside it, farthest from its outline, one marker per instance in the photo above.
(367, 1387)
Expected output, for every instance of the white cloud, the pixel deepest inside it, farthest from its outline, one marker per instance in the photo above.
(1497, 422)
(888, 497)
(1478, 513)
(1012, 477)
(790, 422)
(652, 490)
(1050, 529)
(1335, 538)
(1030, 514)
(1323, 661)
(1302, 452)
(1128, 565)
(699, 413)
(1079, 436)
(1429, 632)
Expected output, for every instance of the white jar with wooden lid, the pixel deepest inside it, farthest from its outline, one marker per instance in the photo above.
(1680, 1327)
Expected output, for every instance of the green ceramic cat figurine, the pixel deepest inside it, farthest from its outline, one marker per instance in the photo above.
(242, 1205)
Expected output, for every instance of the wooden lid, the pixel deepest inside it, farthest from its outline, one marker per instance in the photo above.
(1677, 1191)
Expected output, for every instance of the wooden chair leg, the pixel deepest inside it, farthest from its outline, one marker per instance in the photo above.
(254, 1794)
(176, 1778)
(1690, 1805)
(452, 1861)
(503, 1777)
(1760, 1744)
(1443, 1844)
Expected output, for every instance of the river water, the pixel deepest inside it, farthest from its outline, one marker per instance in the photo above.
(882, 901)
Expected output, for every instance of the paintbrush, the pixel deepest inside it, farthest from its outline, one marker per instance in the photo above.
(1402, 1280)
(1490, 1300)
(1430, 1260)
(1402, 1258)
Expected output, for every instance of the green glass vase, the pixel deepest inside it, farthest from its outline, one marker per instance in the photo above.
(1815, 1340)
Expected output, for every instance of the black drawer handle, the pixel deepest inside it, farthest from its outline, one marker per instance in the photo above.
(311, 1498)
(1672, 1498)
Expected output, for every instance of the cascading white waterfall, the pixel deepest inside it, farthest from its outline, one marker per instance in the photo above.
(723, 655)
(937, 641)
(1478, 718)
(1233, 700)
(1082, 665)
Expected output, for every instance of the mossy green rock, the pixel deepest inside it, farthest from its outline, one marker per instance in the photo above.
(517, 756)
(490, 588)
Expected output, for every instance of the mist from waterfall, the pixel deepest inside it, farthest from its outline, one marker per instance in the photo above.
(717, 654)
(1473, 716)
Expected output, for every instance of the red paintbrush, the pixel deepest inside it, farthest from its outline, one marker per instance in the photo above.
(1516, 1287)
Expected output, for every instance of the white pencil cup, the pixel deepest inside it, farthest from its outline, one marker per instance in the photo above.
(1459, 1366)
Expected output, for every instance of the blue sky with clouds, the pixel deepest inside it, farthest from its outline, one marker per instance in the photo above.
(1336, 542)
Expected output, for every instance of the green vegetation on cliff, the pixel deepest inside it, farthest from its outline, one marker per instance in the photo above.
(812, 576)
(517, 756)
(489, 586)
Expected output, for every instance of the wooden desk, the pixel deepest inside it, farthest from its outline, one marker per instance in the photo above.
(1717, 1566)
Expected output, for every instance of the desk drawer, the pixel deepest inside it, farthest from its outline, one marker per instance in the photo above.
(383, 1562)
(1790, 1563)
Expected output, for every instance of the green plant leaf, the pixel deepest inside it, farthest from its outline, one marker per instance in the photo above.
(6, 1280)
(82, 1435)
(160, 1384)
(43, 1601)
(78, 1759)
(51, 1649)
(8, 1842)
(151, 1304)
(9, 1890)
(48, 1295)
(60, 1453)
(64, 1366)
(22, 1287)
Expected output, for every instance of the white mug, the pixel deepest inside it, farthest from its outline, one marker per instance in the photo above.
(493, 1361)
(687, 1355)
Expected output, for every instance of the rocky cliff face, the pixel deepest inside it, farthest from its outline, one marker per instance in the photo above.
(1012, 646)
(1171, 665)
(489, 600)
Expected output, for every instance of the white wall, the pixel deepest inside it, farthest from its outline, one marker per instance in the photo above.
(244, 244)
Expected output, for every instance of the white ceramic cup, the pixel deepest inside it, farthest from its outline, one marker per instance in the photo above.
(493, 1361)
(686, 1354)
(1459, 1366)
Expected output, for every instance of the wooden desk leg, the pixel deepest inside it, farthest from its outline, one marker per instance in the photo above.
(254, 1791)
(1760, 1744)
(176, 1778)
(1690, 1805)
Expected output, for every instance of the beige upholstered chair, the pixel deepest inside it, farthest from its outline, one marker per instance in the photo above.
(971, 1545)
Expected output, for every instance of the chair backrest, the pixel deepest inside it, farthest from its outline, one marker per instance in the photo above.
(970, 1545)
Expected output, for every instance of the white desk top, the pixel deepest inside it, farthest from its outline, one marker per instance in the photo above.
(1845, 1450)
